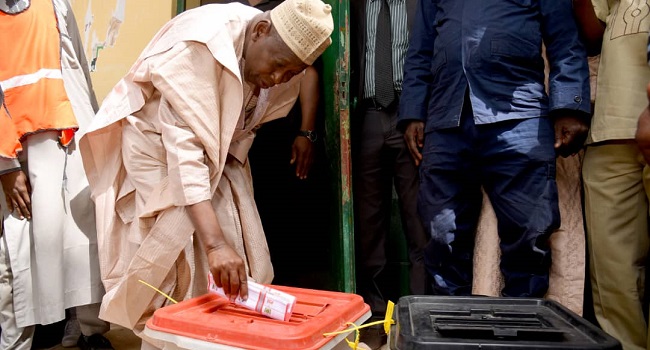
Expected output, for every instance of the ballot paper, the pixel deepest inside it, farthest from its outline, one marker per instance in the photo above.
(262, 299)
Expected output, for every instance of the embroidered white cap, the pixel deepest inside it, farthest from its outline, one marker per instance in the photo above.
(305, 26)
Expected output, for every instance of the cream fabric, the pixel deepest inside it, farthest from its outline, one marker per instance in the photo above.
(624, 72)
(53, 256)
(186, 85)
(12, 336)
(616, 179)
(305, 26)
(617, 190)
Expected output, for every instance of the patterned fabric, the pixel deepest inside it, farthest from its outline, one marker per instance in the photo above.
(623, 73)
(384, 87)
(305, 26)
(188, 83)
(400, 35)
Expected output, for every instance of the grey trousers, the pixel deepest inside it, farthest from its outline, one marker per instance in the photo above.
(382, 162)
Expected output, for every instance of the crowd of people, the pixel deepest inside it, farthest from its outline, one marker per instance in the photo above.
(469, 116)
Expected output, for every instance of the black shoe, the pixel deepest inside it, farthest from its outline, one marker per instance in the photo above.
(48, 336)
(94, 342)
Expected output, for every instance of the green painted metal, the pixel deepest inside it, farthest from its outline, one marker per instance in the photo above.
(180, 6)
(335, 75)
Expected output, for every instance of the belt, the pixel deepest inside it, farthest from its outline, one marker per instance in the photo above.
(371, 102)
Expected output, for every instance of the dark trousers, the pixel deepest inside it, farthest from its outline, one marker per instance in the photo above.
(381, 161)
(514, 161)
(296, 230)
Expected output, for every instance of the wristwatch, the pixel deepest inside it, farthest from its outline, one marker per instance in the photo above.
(309, 134)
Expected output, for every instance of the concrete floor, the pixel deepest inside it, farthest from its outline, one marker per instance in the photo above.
(121, 338)
(124, 339)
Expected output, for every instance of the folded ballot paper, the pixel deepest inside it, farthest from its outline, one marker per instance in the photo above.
(267, 301)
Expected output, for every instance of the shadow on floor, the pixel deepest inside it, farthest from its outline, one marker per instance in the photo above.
(121, 338)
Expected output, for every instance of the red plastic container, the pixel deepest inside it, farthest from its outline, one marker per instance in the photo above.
(212, 320)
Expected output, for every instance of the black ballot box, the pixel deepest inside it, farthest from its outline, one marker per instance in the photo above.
(444, 322)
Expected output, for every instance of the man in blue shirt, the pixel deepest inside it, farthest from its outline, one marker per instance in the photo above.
(476, 114)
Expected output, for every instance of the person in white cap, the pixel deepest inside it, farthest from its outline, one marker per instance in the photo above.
(166, 155)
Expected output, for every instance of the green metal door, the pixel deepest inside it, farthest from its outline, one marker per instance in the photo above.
(336, 75)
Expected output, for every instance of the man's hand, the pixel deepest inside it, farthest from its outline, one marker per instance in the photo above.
(302, 155)
(226, 266)
(17, 193)
(414, 137)
(570, 135)
(643, 130)
(229, 271)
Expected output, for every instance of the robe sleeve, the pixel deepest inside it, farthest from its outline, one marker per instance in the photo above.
(186, 162)
(602, 9)
(181, 75)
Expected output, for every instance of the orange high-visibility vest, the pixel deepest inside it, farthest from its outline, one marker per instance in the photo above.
(8, 133)
(30, 75)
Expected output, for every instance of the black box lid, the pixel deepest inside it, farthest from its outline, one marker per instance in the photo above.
(443, 322)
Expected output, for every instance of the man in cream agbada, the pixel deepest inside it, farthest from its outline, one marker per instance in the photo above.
(166, 154)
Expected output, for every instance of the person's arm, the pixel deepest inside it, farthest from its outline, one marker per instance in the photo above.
(15, 183)
(17, 190)
(591, 27)
(417, 79)
(189, 179)
(226, 266)
(569, 97)
(643, 130)
(178, 74)
(302, 151)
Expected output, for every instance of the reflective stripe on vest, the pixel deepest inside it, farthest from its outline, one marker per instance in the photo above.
(30, 75)
(33, 78)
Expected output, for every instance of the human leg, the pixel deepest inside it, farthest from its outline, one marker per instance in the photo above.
(12, 337)
(518, 168)
(72, 331)
(372, 197)
(449, 203)
(616, 208)
(406, 182)
(89, 321)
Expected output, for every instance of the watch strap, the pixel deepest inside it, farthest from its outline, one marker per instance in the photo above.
(309, 134)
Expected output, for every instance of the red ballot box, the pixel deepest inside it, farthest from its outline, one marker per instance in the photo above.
(211, 322)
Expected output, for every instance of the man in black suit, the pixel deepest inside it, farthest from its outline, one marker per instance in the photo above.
(381, 159)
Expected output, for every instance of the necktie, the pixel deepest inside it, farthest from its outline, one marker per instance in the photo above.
(384, 89)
